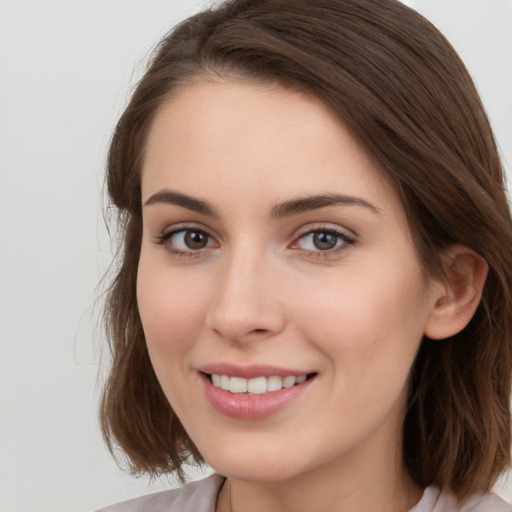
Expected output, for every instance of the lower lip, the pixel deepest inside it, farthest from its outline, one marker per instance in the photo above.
(251, 407)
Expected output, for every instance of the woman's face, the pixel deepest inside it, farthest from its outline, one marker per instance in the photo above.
(274, 251)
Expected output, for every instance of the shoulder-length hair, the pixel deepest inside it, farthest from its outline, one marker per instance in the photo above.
(400, 87)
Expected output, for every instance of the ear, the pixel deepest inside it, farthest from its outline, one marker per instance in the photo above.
(457, 296)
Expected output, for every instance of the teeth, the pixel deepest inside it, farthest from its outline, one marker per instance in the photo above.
(301, 379)
(288, 382)
(274, 383)
(238, 385)
(225, 382)
(256, 386)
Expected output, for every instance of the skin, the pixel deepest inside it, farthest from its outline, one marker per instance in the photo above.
(261, 292)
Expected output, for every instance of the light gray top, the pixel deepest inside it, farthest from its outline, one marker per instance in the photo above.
(201, 496)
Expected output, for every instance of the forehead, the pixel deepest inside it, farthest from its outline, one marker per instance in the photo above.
(250, 138)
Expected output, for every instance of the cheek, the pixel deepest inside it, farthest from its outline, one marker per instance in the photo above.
(369, 322)
(171, 312)
(169, 307)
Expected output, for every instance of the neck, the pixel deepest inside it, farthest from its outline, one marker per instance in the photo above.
(377, 482)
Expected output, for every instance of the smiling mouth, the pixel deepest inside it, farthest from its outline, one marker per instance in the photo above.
(257, 385)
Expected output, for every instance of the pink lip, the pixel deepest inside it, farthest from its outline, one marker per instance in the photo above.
(251, 407)
(250, 371)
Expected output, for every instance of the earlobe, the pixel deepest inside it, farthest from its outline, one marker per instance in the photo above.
(456, 297)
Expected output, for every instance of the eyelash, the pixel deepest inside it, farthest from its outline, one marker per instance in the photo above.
(164, 238)
(343, 241)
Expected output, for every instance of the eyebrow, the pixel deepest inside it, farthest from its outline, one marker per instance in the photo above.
(306, 204)
(279, 211)
(183, 200)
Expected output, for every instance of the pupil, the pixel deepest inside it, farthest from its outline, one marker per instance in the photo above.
(196, 239)
(324, 241)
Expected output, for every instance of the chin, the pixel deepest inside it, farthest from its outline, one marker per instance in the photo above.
(263, 467)
(255, 472)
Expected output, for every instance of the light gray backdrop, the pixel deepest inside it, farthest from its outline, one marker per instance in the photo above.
(66, 69)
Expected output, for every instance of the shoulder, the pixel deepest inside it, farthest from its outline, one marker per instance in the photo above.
(486, 503)
(435, 501)
(197, 496)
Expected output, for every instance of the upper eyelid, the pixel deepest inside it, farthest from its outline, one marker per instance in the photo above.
(344, 237)
(173, 229)
(337, 232)
(186, 226)
(323, 226)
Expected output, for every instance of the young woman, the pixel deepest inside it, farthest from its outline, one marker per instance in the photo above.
(314, 294)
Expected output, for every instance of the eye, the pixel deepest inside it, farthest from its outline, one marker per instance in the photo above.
(185, 241)
(323, 240)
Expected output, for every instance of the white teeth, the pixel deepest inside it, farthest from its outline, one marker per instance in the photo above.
(289, 381)
(257, 385)
(225, 382)
(238, 385)
(274, 383)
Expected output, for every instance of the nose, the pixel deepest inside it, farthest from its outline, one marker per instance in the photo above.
(246, 304)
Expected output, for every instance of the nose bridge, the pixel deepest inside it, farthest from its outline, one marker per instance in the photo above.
(245, 303)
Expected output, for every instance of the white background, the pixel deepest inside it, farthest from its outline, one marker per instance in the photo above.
(66, 70)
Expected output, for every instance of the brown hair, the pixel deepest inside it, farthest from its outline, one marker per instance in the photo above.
(403, 91)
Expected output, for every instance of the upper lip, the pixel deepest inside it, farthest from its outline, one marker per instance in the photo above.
(250, 371)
